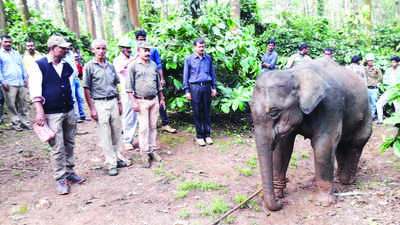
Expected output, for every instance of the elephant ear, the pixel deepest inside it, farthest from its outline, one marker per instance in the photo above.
(311, 89)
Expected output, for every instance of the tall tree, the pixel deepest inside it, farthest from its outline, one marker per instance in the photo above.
(369, 15)
(235, 10)
(37, 5)
(320, 8)
(3, 25)
(100, 18)
(164, 7)
(396, 8)
(124, 16)
(71, 16)
(90, 18)
(25, 12)
(134, 12)
(61, 7)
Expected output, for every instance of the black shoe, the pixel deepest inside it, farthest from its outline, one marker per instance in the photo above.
(121, 164)
(113, 171)
(74, 179)
(62, 187)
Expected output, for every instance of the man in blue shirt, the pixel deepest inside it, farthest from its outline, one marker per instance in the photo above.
(270, 57)
(200, 85)
(13, 81)
(141, 35)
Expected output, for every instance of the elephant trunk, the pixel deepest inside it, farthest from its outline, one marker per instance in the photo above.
(266, 140)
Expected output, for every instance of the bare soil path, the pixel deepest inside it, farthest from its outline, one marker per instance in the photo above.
(192, 185)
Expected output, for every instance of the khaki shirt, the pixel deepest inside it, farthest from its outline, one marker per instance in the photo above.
(374, 76)
(101, 81)
(143, 79)
(297, 59)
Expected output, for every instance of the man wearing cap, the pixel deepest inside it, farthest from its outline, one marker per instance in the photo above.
(270, 58)
(328, 53)
(129, 116)
(391, 79)
(101, 93)
(200, 84)
(357, 68)
(143, 86)
(299, 58)
(50, 90)
(374, 77)
(141, 35)
(13, 80)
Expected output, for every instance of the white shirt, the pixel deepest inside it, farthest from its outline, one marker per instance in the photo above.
(36, 79)
(121, 65)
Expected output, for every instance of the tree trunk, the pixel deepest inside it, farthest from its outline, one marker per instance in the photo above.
(235, 11)
(37, 5)
(3, 25)
(100, 19)
(71, 16)
(320, 8)
(61, 6)
(194, 6)
(25, 12)
(164, 6)
(396, 9)
(369, 16)
(90, 18)
(124, 17)
(134, 12)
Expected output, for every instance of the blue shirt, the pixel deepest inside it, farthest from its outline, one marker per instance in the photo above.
(155, 57)
(198, 70)
(11, 68)
(270, 58)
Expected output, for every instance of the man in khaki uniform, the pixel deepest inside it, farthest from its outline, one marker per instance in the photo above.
(374, 77)
(100, 83)
(143, 86)
(299, 58)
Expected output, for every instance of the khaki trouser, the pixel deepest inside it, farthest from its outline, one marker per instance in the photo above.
(147, 117)
(62, 146)
(109, 130)
(17, 107)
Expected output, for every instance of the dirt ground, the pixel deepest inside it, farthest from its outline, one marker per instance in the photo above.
(193, 185)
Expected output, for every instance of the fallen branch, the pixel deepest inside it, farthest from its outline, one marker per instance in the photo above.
(20, 168)
(236, 207)
(350, 193)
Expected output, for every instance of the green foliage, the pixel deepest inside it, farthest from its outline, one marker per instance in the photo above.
(181, 194)
(40, 30)
(199, 185)
(393, 141)
(216, 207)
(245, 171)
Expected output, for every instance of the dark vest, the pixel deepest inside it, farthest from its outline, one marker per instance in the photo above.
(55, 90)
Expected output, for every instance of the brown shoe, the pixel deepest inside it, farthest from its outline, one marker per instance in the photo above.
(146, 160)
(168, 128)
(156, 156)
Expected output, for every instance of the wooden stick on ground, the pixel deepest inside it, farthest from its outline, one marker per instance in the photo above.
(237, 207)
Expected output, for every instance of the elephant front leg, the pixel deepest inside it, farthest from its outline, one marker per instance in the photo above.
(324, 149)
(281, 159)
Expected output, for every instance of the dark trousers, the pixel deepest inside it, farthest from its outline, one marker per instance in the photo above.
(1, 106)
(201, 102)
(163, 113)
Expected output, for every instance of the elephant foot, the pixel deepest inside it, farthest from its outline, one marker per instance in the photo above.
(273, 205)
(346, 179)
(324, 199)
(279, 186)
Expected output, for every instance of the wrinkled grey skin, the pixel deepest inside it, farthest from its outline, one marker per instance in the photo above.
(321, 101)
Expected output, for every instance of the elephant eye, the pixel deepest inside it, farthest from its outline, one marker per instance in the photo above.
(274, 113)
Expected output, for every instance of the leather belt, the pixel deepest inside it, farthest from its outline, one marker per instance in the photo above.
(106, 98)
(372, 87)
(204, 83)
(151, 97)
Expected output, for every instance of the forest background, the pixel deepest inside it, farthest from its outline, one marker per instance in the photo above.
(236, 33)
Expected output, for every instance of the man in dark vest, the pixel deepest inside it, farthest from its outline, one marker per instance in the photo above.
(50, 90)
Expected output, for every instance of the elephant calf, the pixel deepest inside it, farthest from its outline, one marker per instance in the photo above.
(321, 101)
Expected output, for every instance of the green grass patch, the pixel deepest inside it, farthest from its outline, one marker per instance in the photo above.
(304, 155)
(161, 171)
(181, 194)
(293, 160)
(184, 214)
(252, 162)
(223, 146)
(198, 185)
(216, 207)
(245, 171)
(249, 204)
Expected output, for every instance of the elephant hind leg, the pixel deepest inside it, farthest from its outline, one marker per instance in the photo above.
(347, 160)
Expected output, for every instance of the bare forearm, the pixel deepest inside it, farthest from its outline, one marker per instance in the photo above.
(89, 99)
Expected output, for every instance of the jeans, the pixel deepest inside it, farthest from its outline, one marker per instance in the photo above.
(77, 95)
(373, 97)
(201, 102)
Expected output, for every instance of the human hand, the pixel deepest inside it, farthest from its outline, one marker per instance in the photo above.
(6, 87)
(93, 114)
(162, 103)
(188, 96)
(163, 83)
(40, 119)
(135, 106)
(26, 83)
(213, 92)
